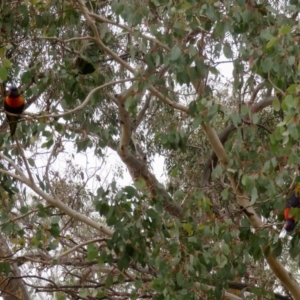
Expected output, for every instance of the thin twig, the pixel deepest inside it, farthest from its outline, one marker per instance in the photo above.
(116, 57)
(10, 161)
(53, 151)
(20, 217)
(87, 99)
(255, 92)
(129, 30)
(274, 86)
(25, 160)
(58, 204)
(142, 112)
(79, 246)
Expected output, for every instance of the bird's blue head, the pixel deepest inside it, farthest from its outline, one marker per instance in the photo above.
(13, 92)
(290, 225)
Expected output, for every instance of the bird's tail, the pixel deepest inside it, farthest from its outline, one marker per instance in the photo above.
(12, 127)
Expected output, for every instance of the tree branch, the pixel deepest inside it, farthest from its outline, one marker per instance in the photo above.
(250, 213)
(87, 99)
(53, 151)
(98, 40)
(211, 163)
(224, 134)
(255, 92)
(59, 204)
(226, 295)
(126, 124)
(16, 167)
(142, 112)
(78, 246)
(116, 57)
(15, 288)
(243, 286)
(24, 160)
(129, 30)
(136, 167)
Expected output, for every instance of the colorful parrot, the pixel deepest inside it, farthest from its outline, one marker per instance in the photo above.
(294, 202)
(14, 103)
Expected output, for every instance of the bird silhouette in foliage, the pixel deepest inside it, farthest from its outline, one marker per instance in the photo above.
(14, 103)
(293, 202)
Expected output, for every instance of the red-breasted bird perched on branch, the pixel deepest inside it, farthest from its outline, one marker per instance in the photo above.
(294, 202)
(14, 103)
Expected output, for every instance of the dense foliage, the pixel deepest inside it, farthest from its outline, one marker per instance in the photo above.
(111, 87)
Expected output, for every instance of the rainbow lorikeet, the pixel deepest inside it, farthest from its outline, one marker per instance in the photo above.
(294, 202)
(13, 103)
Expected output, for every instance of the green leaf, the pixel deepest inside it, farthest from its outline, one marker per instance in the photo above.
(92, 252)
(281, 124)
(7, 228)
(244, 110)
(179, 279)
(4, 268)
(83, 293)
(227, 51)
(158, 284)
(173, 247)
(267, 65)
(130, 192)
(31, 162)
(52, 246)
(289, 101)
(212, 112)
(100, 295)
(54, 230)
(236, 120)
(109, 281)
(255, 118)
(175, 53)
(55, 220)
(48, 144)
(219, 31)
(291, 60)
(276, 104)
(277, 248)
(179, 195)
(254, 195)
(138, 284)
(271, 42)
(266, 166)
(188, 228)
(3, 73)
(225, 194)
(221, 260)
(284, 30)
(225, 249)
(2, 51)
(7, 63)
(24, 209)
(217, 171)
(140, 184)
(121, 279)
(197, 121)
(131, 104)
(102, 207)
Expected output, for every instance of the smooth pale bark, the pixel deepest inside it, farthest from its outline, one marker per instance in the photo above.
(281, 273)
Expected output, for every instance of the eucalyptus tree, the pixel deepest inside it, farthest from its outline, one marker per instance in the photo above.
(210, 86)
